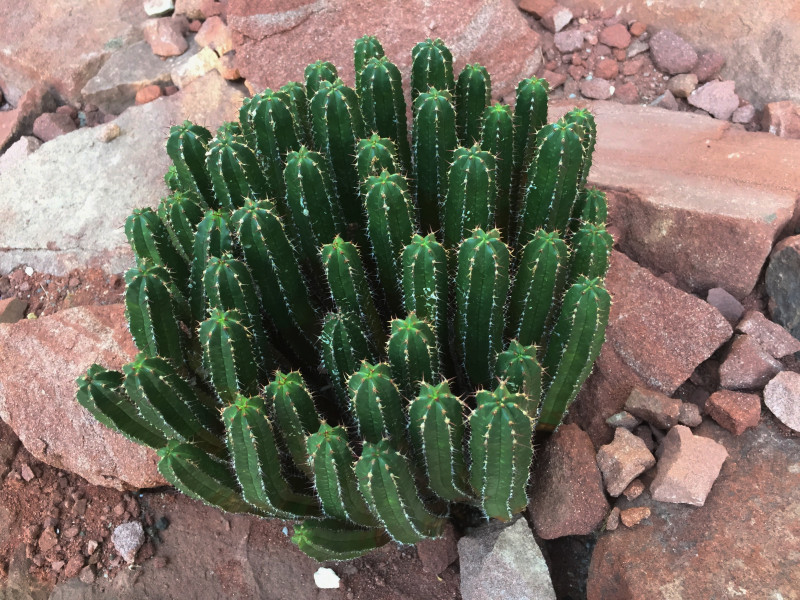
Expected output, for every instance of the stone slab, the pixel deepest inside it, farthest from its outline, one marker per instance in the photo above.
(64, 206)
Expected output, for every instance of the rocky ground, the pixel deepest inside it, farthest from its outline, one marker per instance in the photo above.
(677, 475)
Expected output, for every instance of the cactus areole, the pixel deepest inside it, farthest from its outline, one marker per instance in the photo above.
(356, 323)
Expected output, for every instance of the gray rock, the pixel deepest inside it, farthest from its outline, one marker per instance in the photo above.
(690, 415)
(158, 8)
(671, 53)
(666, 100)
(744, 114)
(637, 47)
(127, 539)
(23, 147)
(63, 207)
(568, 41)
(783, 283)
(597, 88)
(128, 70)
(623, 419)
(729, 306)
(717, 98)
(782, 397)
(502, 562)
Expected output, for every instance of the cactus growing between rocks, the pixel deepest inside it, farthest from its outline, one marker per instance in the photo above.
(345, 329)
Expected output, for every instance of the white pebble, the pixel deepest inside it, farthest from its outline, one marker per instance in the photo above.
(326, 579)
(28, 271)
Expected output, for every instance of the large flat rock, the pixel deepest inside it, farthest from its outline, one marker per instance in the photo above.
(696, 197)
(62, 43)
(64, 206)
(276, 40)
(41, 359)
(743, 543)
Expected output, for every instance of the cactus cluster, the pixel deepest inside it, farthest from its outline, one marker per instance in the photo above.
(352, 325)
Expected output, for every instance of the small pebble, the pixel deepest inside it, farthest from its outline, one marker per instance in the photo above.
(326, 579)
(634, 516)
(612, 522)
(26, 472)
(109, 132)
(29, 271)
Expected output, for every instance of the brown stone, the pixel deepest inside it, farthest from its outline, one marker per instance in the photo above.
(148, 94)
(770, 336)
(747, 366)
(783, 284)
(690, 415)
(607, 68)
(703, 181)
(634, 489)
(612, 522)
(274, 41)
(165, 36)
(623, 460)
(215, 35)
(735, 411)
(782, 119)
(631, 517)
(568, 498)
(672, 54)
(74, 566)
(627, 93)
(718, 98)
(198, 9)
(51, 125)
(597, 88)
(41, 360)
(438, 554)
(633, 66)
(228, 69)
(688, 467)
(666, 100)
(537, 8)
(48, 539)
(12, 309)
(654, 407)
(615, 36)
(708, 66)
(657, 335)
(682, 85)
(637, 28)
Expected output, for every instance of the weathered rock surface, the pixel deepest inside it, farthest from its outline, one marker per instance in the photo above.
(12, 309)
(165, 36)
(729, 306)
(499, 560)
(783, 283)
(127, 539)
(782, 397)
(703, 181)
(735, 411)
(39, 42)
(747, 366)
(688, 467)
(782, 119)
(770, 336)
(41, 360)
(631, 517)
(49, 126)
(743, 539)
(671, 53)
(568, 498)
(20, 119)
(657, 335)
(717, 98)
(623, 460)
(689, 415)
(654, 407)
(127, 71)
(58, 214)
(436, 555)
(275, 41)
(18, 151)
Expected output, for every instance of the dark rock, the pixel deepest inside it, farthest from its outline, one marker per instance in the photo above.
(569, 498)
(672, 54)
(12, 309)
(735, 411)
(436, 555)
(783, 284)
(747, 366)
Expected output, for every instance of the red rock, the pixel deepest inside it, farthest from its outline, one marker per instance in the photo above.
(68, 110)
(9, 128)
(576, 72)
(657, 336)
(654, 407)
(637, 28)
(165, 36)
(74, 566)
(782, 397)
(612, 522)
(744, 534)
(634, 489)
(436, 555)
(216, 35)
(627, 93)
(597, 88)
(717, 98)
(556, 18)
(666, 100)
(619, 54)
(568, 41)
(615, 36)
(569, 497)
(672, 54)
(171, 90)
(708, 66)
(773, 338)
(729, 306)
(623, 419)
(199, 9)
(537, 8)
(747, 366)
(51, 125)
(623, 460)
(632, 67)
(274, 41)
(631, 517)
(690, 415)
(554, 79)
(48, 539)
(41, 359)
(689, 466)
(227, 67)
(195, 25)
(12, 309)
(148, 93)
(782, 119)
(607, 68)
(735, 411)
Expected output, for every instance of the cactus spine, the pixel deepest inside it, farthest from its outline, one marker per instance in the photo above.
(413, 354)
(330, 539)
(497, 139)
(471, 194)
(374, 155)
(343, 347)
(377, 405)
(295, 414)
(234, 169)
(521, 372)
(473, 94)
(186, 147)
(530, 115)
(365, 48)
(316, 73)
(591, 252)
(425, 283)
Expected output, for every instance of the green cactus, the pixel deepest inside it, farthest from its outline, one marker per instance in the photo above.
(473, 94)
(335, 331)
